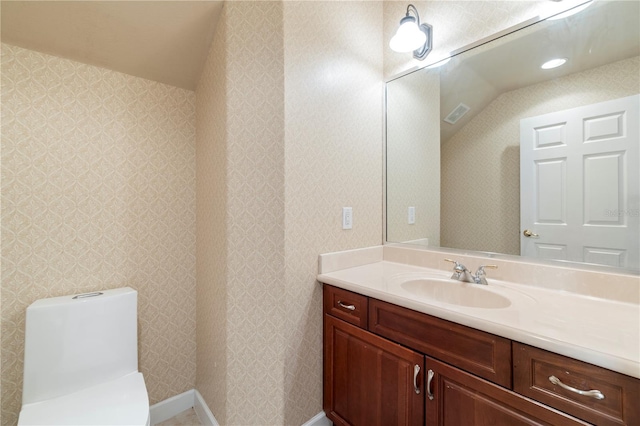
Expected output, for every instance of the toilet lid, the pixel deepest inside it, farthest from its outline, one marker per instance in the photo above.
(119, 402)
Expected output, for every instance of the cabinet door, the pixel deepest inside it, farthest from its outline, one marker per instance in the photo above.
(368, 380)
(454, 398)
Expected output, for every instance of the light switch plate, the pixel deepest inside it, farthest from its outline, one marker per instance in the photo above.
(347, 218)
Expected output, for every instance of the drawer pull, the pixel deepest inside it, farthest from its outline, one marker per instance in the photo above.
(429, 379)
(349, 307)
(592, 393)
(416, 370)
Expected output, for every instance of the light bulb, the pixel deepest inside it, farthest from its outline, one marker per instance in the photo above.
(409, 37)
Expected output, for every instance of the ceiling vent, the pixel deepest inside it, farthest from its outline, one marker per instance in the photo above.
(457, 113)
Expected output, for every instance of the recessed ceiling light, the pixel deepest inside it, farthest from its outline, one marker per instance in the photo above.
(554, 63)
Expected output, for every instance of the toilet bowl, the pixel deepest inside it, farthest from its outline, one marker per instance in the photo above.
(81, 361)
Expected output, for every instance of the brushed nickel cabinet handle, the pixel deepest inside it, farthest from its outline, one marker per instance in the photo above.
(349, 307)
(591, 393)
(429, 379)
(416, 370)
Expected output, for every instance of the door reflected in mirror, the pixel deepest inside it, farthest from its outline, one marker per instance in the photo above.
(491, 152)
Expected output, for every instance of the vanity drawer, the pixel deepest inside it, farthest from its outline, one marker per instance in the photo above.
(533, 367)
(477, 352)
(346, 305)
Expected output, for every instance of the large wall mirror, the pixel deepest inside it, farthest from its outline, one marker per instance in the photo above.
(489, 152)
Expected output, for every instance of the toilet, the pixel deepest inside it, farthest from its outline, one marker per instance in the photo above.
(81, 361)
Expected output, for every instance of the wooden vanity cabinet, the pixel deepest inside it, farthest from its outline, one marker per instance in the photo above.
(595, 394)
(457, 398)
(483, 354)
(371, 350)
(346, 305)
(369, 380)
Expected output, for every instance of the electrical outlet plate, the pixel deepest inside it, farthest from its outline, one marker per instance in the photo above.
(411, 216)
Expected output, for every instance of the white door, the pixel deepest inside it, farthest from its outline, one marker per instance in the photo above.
(579, 184)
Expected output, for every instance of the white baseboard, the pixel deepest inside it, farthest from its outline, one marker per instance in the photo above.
(168, 408)
(319, 419)
(202, 410)
(175, 405)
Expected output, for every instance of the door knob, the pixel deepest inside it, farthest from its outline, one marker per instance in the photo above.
(530, 234)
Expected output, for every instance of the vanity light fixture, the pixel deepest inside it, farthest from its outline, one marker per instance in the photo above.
(553, 63)
(412, 35)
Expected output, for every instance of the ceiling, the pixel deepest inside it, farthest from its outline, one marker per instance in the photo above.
(604, 33)
(164, 41)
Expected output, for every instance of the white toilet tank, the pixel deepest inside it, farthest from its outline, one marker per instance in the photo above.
(75, 342)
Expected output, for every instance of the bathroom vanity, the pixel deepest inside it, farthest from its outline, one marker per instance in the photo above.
(488, 152)
(396, 354)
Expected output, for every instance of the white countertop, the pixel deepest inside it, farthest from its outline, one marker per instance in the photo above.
(598, 331)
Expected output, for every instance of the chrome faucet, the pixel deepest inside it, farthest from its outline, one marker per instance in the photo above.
(481, 276)
(461, 273)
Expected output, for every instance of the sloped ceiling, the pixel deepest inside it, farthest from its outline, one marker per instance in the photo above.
(604, 33)
(164, 41)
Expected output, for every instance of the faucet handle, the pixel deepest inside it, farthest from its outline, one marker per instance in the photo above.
(481, 268)
(455, 262)
(460, 272)
(480, 274)
(456, 265)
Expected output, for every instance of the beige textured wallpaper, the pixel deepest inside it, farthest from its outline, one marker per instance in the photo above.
(98, 191)
(333, 158)
(481, 211)
(289, 131)
(240, 163)
(413, 157)
(211, 225)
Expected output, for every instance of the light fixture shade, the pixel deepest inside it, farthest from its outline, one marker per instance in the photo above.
(409, 37)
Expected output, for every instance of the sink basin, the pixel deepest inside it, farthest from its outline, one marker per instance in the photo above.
(456, 293)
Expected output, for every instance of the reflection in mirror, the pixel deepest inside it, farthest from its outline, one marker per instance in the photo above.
(492, 153)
